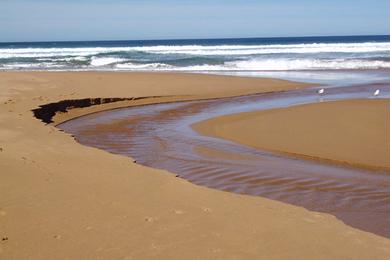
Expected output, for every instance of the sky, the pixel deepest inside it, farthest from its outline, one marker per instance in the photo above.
(66, 20)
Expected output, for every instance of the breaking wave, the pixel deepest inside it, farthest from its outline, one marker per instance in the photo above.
(193, 56)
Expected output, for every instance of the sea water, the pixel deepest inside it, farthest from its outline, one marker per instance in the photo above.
(207, 55)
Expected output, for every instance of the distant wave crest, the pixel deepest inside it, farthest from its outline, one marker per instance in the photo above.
(239, 57)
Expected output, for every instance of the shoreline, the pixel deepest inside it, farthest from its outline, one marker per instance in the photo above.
(80, 202)
(76, 112)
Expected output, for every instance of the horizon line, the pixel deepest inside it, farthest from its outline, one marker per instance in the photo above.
(189, 39)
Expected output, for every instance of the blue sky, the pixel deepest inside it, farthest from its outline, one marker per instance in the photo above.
(45, 20)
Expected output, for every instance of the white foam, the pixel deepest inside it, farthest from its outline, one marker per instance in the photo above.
(277, 49)
(266, 65)
(248, 65)
(26, 66)
(306, 64)
(367, 47)
(272, 57)
(58, 52)
(55, 59)
(97, 61)
(267, 49)
(150, 66)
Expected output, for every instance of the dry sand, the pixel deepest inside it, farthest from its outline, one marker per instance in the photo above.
(352, 132)
(62, 200)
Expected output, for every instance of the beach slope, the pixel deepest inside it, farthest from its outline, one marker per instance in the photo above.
(62, 200)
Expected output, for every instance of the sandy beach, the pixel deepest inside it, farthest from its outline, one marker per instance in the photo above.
(62, 200)
(352, 132)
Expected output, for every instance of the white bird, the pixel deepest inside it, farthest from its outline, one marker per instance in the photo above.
(321, 91)
(376, 93)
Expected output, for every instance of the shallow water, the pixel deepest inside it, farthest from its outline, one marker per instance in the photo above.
(160, 136)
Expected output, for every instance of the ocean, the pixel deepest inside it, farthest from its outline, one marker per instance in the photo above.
(207, 55)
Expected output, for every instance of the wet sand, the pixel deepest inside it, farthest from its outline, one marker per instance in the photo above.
(161, 136)
(351, 132)
(60, 199)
